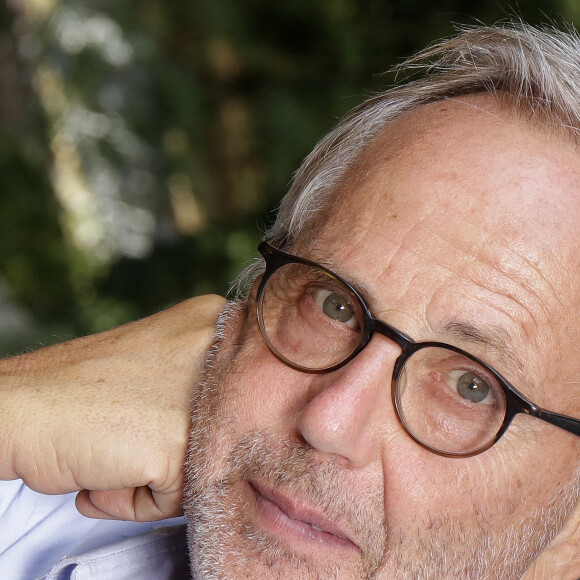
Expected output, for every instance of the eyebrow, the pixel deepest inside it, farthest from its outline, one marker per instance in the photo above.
(491, 336)
(330, 264)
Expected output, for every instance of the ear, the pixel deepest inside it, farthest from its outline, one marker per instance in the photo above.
(561, 558)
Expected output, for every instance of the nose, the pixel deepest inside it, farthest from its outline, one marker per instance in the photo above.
(348, 411)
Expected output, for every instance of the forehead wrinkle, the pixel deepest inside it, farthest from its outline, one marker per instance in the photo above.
(471, 256)
(489, 335)
(533, 272)
(372, 295)
(524, 283)
(515, 276)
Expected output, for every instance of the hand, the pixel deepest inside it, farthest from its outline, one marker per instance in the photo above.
(108, 413)
(561, 558)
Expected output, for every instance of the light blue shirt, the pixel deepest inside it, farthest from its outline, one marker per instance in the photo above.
(45, 538)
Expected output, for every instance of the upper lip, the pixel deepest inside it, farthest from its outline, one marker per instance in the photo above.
(299, 510)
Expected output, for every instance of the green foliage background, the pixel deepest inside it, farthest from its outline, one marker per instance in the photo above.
(143, 144)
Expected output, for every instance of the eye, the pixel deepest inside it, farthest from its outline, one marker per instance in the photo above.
(336, 306)
(470, 386)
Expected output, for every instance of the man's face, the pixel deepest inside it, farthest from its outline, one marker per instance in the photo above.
(462, 225)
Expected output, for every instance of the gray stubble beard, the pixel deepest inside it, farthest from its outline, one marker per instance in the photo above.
(448, 551)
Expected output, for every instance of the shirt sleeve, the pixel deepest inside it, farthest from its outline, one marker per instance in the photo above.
(37, 531)
(160, 554)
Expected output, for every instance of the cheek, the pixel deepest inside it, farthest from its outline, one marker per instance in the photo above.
(420, 485)
(496, 490)
(435, 492)
(261, 393)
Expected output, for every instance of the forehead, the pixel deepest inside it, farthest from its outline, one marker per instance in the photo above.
(460, 212)
(485, 165)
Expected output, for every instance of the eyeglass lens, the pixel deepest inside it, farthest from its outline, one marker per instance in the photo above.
(446, 401)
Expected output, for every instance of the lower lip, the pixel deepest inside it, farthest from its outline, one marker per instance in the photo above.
(271, 517)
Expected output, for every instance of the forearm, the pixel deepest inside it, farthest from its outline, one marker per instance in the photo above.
(109, 411)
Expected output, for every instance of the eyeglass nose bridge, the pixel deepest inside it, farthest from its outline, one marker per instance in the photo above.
(407, 344)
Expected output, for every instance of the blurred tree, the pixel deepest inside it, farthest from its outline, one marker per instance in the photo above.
(34, 260)
(143, 143)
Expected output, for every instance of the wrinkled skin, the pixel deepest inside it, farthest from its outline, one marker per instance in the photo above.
(108, 413)
(460, 224)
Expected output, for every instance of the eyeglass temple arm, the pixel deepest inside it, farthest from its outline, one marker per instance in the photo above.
(563, 421)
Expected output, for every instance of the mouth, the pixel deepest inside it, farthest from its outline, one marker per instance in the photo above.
(297, 523)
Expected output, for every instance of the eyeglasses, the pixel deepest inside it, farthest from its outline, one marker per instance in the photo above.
(447, 400)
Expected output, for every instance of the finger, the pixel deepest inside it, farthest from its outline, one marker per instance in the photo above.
(132, 504)
(87, 508)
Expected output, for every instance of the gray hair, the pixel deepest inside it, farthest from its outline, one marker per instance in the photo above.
(535, 71)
